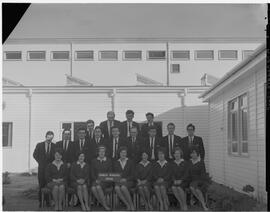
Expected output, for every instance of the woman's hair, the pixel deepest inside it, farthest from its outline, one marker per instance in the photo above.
(144, 151)
(58, 150)
(162, 150)
(79, 153)
(122, 148)
(195, 149)
(178, 149)
(101, 147)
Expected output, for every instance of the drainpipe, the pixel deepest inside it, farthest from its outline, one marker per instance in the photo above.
(168, 64)
(71, 58)
(257, 143)
(30, 93)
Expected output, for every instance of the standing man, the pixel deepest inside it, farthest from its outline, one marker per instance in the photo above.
(192, 140)
(114, 143)
(128, 124)
(81, 145)
(44, 154)
(134, 143)
(97, 141)
(150, 122)
(108, 124)
(171, 141)
(90, 126)
(152, 143)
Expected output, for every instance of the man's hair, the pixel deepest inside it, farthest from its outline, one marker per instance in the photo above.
(49, 133)
(171, 124)
(110, 112)
(149, 114)
(130, 112)
(115, 127)
(98, 127)
(90, 121)
(152, 128)
(134, 128)
(82, 129)
(66, 130)
(191, 125)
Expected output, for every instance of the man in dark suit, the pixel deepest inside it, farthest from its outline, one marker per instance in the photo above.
(150, 122)
(90, 126)
(152, 143)
(192, 140)
(97, 141)
(114, 143)
(44, 154)
(81, 145)
(67, 147)
(134, 143)
(171, 141)
(108, 124)
(128, 124)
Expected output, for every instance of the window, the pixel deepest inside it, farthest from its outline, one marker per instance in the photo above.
(7, 134)
(84, 55)
(180, 55)
(13, 55)
(60, 55)
(238, 125)
(204, 55)
(73, 127)
(175, 68)
(156, 55)
(132, 55)
(227, 54)
(108, 55)
(247, 53)
(36, 55)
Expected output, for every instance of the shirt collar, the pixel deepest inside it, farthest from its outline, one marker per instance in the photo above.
(181, 160)
(145, 164)
(162, 163)
(196, 161)
(101, 159)
(57, 164)
(122, 161)
(81, 164)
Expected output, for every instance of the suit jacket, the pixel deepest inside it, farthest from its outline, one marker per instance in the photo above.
(124, 130)
(197, 141)
(89, 137)
(85, 150)
(146, 145)
(127, 172)
(176, 143)
(109, 152)
(104, 127)
(94, 147)
(69, 155)
(41, 157)
(134, 150)
(144, 130)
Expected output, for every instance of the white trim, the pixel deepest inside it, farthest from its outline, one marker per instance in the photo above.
(5, 56)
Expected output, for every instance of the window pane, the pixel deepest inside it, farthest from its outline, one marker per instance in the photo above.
(243, 101)
(133, 55)
(175, 68)
(228, 54)
(181, 55)
(7, 134)
(36, 55)
(234, 126)
(13, 55)
(204, 54)
(108, 55)
(247, 53)
(244, 147)
(60, 55)
(234, 147)
(84, 55)
(244, 124)
(156, 54)
(67, 126)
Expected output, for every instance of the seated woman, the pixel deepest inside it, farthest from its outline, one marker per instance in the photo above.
(180, 173)
(56, 177)
(101, 164)
(197, 175)
(144, 176)
(161, 178)
(125, 167)
(79, 177)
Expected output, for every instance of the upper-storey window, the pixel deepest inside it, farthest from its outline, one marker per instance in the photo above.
(132, 55)
(13, 55)
(60, 55)
(227, 54)
(84, 55)
(180, 55)
(36, 55)
(108, 55)
(204, 55)
(156, 55)
(247, 53)
(175, 68)
(6, 134)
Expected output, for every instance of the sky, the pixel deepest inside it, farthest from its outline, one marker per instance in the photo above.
(142, 21)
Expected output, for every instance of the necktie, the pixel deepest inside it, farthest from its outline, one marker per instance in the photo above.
(110, 125)
(48, 149)
(65, 145)
(81, 145)
(170, 146)
(152, 149)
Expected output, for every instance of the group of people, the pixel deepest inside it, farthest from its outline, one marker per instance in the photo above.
(145, 160)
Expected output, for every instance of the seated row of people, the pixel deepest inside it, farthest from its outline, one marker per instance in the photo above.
(147, 176)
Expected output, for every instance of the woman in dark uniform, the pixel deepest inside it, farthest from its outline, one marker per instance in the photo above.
(125, 167)
(197, 176)
(101, 164)
(144, 176)
(79, 176)
(180, 169)
(56, 177)
(161, 178)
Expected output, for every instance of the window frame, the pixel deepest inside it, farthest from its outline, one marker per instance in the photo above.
(196, 51)
(85, 59)
(172, 68)
(10, 143)
(156, 59)
(5, 56)
(52, 59)
(182, 59)
(243, 53)
(220, 58)
(29, 59)
(131, 59)
(100, 58)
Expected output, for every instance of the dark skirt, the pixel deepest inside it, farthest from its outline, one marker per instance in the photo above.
(164, 183)
(74, 185)
(51, 184)
(129, 184)
(104, 185)
(199, 184)
(183, 185)
(147, 184)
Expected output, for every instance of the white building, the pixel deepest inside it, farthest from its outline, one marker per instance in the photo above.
(83, 65)
(236, 142)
